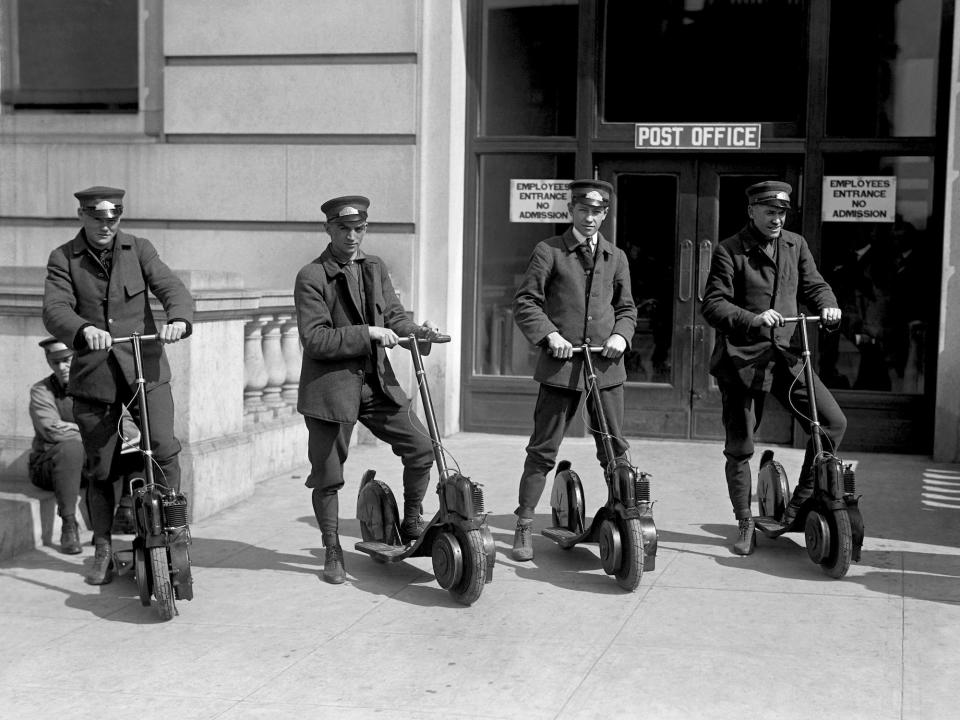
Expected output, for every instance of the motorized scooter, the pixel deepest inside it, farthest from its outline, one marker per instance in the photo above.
(624, 526)
(457, 538)
(830, 519)
(160, 556)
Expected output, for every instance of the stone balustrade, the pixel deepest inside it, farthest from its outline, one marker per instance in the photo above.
(234, 385)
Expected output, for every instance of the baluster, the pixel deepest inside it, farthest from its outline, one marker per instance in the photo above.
(254, 369)
(273, 360)
(290, 346)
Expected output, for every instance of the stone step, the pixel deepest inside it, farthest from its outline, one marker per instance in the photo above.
(29, 519)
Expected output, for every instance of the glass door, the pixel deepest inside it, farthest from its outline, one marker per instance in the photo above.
(669, 214)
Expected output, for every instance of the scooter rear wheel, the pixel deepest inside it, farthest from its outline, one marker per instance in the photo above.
(162, 589)
(838, 559)
(631, 562)
(467, 590)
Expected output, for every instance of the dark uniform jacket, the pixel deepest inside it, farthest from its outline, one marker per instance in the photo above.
(744, 282)
(337, 350)
(80, 292)
(584, 299)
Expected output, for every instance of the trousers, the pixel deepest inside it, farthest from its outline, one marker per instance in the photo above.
(328, 444)
(742, 413)
(555, 410)
(99, 424)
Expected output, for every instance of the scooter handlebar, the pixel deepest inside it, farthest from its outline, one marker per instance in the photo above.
(129, 338)
(591, 348)
(804, 318)
(438, 338)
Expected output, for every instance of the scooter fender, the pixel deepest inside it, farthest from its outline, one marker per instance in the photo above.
(649, 532)
(856, 526)
(490, 550)
(623, 483)
(829, 472)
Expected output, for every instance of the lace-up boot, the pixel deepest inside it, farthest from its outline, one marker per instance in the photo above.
(333, 569)
(523, 540)
(747, 539)
(102, 571)
(70, 536)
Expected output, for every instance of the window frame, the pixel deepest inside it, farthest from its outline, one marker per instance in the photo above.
(48, 124)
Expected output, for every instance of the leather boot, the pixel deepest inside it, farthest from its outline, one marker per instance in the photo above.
(747, 540)
(102, 571)
(123, 522)
(523, 540)
(333, 569)
(70, 536)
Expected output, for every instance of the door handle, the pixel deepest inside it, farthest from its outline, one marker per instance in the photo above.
(703, 267)
(686, 271)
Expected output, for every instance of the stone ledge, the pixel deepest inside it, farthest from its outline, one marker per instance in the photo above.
(29, 519)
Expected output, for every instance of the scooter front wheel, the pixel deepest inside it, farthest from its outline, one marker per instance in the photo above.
(631, 558)
(467, 590)
(162, 588)
(837, 562)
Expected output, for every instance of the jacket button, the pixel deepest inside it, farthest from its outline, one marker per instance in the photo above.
(586, 340)
(110, 320)
(589, 317)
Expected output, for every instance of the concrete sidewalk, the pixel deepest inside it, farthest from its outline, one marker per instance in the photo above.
(706, 635)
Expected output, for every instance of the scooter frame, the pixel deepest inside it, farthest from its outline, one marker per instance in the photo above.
(457, 538)
(624, 526)
(830, 519)
(160, 556)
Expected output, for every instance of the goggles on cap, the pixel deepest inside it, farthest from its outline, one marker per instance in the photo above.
(359, 227)
(103, 210)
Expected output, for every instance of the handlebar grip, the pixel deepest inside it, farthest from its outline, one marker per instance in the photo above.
(591, 348)
(439, 338)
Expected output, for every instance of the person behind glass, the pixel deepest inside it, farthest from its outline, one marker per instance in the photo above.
(756, 279)
(96, 288)
(348, 314)
(576, 290)
(56, 457)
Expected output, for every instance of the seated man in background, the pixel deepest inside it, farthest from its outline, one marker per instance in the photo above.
(56, 458)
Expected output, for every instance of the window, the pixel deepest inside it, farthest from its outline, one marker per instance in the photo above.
(529, 68)
(70, 55)
(504, 251)
(882, 80)
(706, 61)
(881, 273)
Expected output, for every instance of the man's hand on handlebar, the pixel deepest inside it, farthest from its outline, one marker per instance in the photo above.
(384, 336)
(558, 346)
(614, 346)
(830, 316)
(172, 333)
(768, 318)
(96, 338)
(427, 331)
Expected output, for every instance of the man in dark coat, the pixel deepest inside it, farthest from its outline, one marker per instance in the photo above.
(348, 314)
(576, 290)
(756, 278)
(96, 288)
